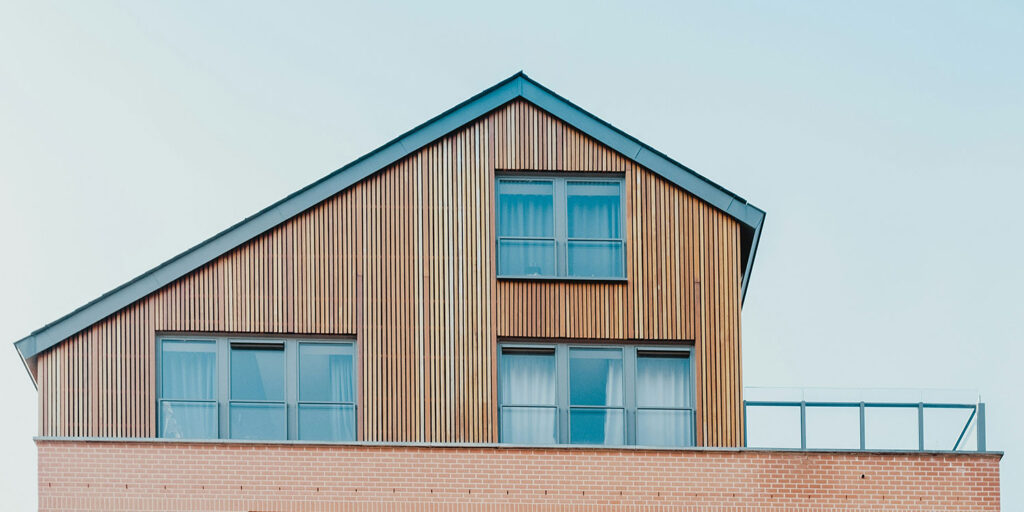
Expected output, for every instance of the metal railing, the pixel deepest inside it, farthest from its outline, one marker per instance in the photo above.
(975, 423)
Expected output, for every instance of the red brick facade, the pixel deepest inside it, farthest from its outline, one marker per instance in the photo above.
(154, 475)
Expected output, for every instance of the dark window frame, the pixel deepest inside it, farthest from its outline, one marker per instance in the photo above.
(222, 388)
(560, 234)
(630, 353)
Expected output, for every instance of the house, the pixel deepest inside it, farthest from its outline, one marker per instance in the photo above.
(514, 305)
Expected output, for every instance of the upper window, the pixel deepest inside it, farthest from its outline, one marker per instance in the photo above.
(560, 228)
(610, 395)
(257, 389)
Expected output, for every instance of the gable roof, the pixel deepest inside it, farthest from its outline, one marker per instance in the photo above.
(518, 85)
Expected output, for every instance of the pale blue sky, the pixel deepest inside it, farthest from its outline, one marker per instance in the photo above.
(884, 139)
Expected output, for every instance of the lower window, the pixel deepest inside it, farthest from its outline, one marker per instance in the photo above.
(259, 389)
(608, 395)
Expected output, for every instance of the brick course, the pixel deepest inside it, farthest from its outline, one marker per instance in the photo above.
(157, 475)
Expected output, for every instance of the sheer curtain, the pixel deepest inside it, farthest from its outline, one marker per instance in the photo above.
(528, 381)
(594, 218)
(662, 384)
(342, 420)
(526, 210)
(593, 210)
(615, 422)
(189, 373)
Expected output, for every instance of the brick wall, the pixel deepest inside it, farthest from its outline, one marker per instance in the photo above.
(156, 475)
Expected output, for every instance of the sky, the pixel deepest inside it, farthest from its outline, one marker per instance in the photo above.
(885, 141)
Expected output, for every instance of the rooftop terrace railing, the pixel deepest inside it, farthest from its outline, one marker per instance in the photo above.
(864, 419)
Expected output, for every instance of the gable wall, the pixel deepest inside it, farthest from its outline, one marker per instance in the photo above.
(403, 261)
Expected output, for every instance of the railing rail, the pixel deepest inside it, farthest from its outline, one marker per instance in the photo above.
(976, 418)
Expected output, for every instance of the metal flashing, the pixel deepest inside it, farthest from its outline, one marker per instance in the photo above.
(516, 86)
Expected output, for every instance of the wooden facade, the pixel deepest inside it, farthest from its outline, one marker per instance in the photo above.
(403, 261)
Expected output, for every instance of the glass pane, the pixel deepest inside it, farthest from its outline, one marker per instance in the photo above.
(258, 421)
(327, 422)
(188, 370)
(595, 259)
(942, 428)
(526, 258)
(833, 427)
(325, 373)
(597, 426)
(593, 209)
(529, 425)
(595, 376)
(663, 382)
(773, 427)
(528, 379)
(526, 208)
(664, 427)
(188, 420)
(257, 374)
(890, 428)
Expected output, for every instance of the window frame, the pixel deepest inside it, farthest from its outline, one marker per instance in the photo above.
(630, 353)
(560, 218)
(222, 386)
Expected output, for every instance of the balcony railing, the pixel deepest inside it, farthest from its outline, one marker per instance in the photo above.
(864, 419)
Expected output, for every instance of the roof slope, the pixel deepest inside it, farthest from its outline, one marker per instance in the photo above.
(519, 85)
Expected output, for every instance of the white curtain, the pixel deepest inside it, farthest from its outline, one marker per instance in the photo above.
(342, 419)
(593, 210)
(663, 382)
(526, 209)
(614, 426)
(189, 373)
(528, 380)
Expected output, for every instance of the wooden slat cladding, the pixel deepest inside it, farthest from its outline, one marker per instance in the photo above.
(404, 261)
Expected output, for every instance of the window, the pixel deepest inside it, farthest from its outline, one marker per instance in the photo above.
(257, 389)
(258, 408)
(529, 408)
(327, 397)
(664, 404)
(560, 228)
(595, 394)
(188, 398)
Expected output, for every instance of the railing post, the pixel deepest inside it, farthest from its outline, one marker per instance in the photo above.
(745, 442)
(920, 426)
(803, 425)
(981, 427)
(863, 445)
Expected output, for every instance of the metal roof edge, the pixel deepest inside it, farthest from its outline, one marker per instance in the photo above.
(517, 85)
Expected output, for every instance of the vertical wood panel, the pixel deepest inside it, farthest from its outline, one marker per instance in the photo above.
(404, 261)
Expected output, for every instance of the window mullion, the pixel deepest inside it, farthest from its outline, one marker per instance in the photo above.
(561, 214)
(160, 387)
(629, 387)
(622, 225)
(562, 397)
(223, 388)
(291, 362)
